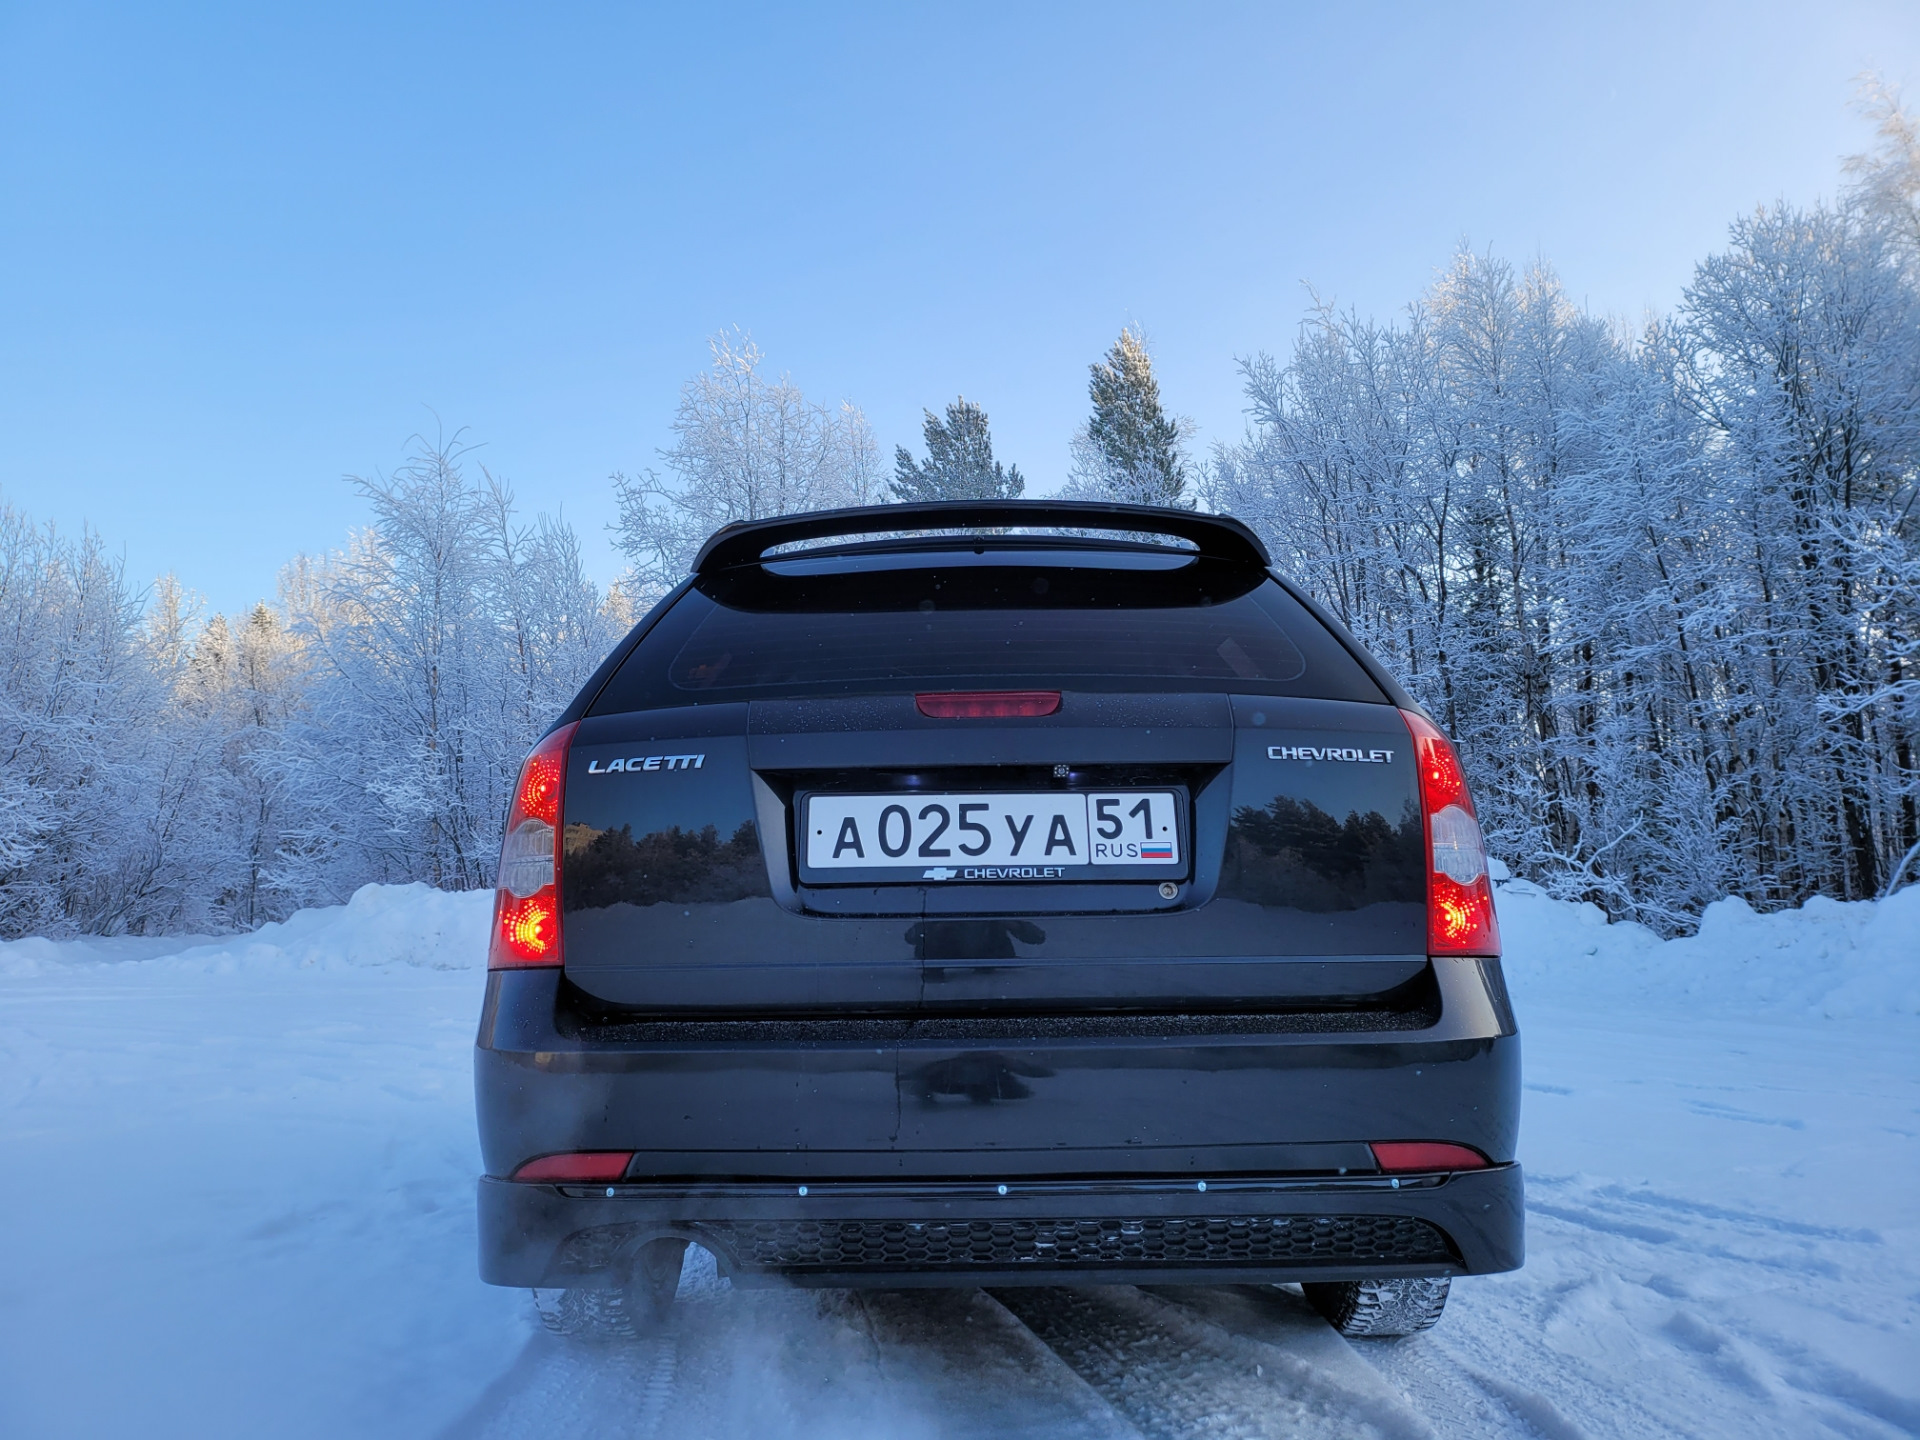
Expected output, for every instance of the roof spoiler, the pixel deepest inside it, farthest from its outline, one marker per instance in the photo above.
(746, 542)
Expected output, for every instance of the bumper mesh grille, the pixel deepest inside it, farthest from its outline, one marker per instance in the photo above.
(879, 1245)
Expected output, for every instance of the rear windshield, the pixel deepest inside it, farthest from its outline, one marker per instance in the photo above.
(980, 622)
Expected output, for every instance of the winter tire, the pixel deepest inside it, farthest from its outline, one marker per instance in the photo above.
(625, 1312)
(1379, 1307)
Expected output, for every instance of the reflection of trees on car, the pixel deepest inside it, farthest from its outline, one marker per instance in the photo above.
(972, 939)
(611, 867)
(1292, 853)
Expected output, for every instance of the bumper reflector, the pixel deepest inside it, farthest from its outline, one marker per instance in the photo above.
(1401, 1155)
(592, 1166)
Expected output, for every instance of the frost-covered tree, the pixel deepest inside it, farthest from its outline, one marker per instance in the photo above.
(1802, 361)
(400, 636)
(164, 771)
(1130, 449)
(1661, 587)
(1886, 181)
(745, 447)
(96, 782)
(249, 681)
(959, 463)
(443, 640)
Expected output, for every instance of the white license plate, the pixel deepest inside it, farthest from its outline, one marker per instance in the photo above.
(1058, 828)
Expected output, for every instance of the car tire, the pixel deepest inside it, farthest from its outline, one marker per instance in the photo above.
(623, 1312)
(1379, 1308)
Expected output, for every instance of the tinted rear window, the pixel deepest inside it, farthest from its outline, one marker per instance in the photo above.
(984, 622)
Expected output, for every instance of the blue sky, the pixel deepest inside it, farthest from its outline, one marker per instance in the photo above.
(243, 254)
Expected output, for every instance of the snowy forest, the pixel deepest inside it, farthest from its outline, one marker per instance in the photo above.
(1660, 581)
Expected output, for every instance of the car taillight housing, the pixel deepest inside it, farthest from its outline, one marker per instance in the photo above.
(526, 904)
(1460, 918)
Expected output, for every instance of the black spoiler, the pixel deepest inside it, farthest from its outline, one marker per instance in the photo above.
(746, 542)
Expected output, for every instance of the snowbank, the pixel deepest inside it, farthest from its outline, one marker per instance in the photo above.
(414, 925)
(1826, 959)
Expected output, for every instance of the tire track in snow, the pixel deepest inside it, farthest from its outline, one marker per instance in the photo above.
(1175, 1372)
(1444, 1402)
(1413, 1375)
(1621, 1329)
(658, 1390)
(558, 1387)
(983, 1368)
(769, 1364)
(1459, 1400)
(904, 1365)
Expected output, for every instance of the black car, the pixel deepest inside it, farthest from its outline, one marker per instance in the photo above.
(1001, 893)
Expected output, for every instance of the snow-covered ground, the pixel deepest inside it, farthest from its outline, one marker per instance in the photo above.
(236, 1199)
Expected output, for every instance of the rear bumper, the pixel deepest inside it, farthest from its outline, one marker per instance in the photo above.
(1039, 1233)
(1163, 1148)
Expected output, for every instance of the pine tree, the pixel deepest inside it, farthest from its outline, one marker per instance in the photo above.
(959, 463)
(1131, 449)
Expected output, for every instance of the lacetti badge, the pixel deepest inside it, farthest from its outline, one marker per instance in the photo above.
(1330, 752)
(647, 762)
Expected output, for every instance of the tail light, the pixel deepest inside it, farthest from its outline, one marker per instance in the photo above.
(987, 704)
(526, 906)
(1460, 918)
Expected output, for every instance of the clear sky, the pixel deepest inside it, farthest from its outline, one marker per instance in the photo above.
(246, 250)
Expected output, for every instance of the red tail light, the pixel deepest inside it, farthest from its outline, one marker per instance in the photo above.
(539, 793)
(1402, 1155)
(1460, 918)
(526, 906)
(585, 1166)
(988, 704)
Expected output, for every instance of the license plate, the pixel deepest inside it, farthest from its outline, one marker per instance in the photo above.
(977, 837)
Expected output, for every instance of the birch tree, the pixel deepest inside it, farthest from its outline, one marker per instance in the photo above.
(744, 448)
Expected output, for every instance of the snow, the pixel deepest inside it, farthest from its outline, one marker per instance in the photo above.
(238, 1184)
(1824, 960)
(238, 1200)
(382, 925)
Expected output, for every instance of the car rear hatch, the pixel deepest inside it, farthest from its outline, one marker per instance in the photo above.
(1018, 783)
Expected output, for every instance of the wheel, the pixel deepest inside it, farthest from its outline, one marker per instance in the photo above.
(1379, 1307)
(623, 1312)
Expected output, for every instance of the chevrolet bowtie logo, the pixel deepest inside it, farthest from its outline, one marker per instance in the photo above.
(939, 872)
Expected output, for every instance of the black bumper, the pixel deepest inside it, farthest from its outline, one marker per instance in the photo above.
(1041, 1233)
(848, 1154)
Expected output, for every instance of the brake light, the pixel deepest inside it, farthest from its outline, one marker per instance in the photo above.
(526, 904)
(590, 1166)
(987, 704)
(539, 796)
(1403, 1155)
(1460, 918)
